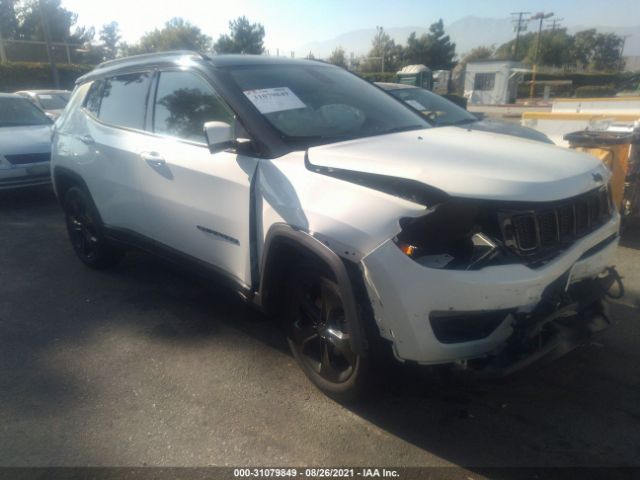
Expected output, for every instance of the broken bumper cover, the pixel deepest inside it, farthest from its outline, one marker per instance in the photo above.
(426, 312)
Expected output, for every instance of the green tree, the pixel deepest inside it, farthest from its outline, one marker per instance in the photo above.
(177, 34)
(62, 22)
(243, 37)
(434, 49)
(8, 19)
(338, 57)
(479, 53)
(506, 51)
(442, 49)
(110, 37)
(606, 53)
(555, 49)
(584, 43)
(587, 49)
(384, 55)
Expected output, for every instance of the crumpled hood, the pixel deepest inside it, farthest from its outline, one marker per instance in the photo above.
(470, 164)
(29, 139)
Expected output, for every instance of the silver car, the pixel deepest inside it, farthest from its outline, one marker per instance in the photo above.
(25, 143)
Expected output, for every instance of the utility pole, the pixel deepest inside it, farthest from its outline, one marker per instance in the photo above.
(520, 25)
(555, 23)
(47, 39)
(542, 17)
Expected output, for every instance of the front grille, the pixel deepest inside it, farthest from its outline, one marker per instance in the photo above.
(544, 229)
(26, 158)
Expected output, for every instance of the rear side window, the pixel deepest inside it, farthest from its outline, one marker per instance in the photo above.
(184, 103)
(92, 102)
(124, 98)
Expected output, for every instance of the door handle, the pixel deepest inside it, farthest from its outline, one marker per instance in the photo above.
(86, 139)
(153, 158)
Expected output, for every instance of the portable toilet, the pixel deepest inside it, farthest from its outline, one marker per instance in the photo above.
(416, 75)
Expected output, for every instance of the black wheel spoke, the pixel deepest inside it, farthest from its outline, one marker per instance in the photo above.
(303, 334)
(341, 343)
(317, 332)
(326, 370)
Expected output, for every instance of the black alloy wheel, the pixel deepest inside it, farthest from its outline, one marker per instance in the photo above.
(319, 338)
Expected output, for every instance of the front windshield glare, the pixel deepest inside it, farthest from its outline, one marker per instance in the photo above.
(319, 103)
(438, 110)
(16, 112)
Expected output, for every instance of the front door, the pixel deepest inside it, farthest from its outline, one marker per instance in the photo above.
(197, 203)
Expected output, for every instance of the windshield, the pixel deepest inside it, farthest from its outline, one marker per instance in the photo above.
(320, 104)
(53, 101)
(438, 110)
(17, 112)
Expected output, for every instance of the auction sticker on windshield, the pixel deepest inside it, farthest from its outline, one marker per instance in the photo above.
(269, 100)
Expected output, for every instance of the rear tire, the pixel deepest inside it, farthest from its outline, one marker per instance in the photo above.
(85, 232)
(318, 337)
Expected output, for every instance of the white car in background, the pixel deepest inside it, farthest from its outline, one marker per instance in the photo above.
(25, 143)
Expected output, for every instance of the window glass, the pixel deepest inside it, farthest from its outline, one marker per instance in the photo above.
(53, 101)
(124, 99)
(313, 103)
(17, 112)
(438, 110)
(484, 81)
(92, 102)
(184, 103)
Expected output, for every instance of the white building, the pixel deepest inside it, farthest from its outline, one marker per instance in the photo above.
(492, 82)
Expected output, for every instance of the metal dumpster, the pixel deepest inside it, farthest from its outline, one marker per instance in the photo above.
(612, 148)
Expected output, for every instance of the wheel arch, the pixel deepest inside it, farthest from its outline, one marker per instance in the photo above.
(285, 244)
(65, 178)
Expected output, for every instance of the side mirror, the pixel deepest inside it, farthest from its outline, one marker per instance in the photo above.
(219, 136)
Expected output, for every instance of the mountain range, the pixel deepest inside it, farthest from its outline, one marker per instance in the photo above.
(467, 33)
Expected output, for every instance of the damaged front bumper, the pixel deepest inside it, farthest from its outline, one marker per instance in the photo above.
(507, 316)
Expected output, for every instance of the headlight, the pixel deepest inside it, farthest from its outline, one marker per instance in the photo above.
(453, 236)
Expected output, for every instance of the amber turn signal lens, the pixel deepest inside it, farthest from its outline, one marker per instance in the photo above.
(407, 249)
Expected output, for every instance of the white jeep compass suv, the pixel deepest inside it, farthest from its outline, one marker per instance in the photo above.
(328, 202)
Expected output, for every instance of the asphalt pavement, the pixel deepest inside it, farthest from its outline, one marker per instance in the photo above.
(147, 365)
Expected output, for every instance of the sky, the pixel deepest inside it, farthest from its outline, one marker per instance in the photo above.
(290, 24)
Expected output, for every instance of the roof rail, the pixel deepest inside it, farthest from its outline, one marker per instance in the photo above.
(149, 56)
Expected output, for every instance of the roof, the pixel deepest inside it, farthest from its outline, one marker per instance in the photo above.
(415, 69)
(182, 56)
(9, 95)
(394, 86)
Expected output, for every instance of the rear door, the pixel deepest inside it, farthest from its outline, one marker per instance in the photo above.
(197, 203)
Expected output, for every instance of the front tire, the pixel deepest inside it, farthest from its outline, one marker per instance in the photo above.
(318, 336)
(85, 232)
